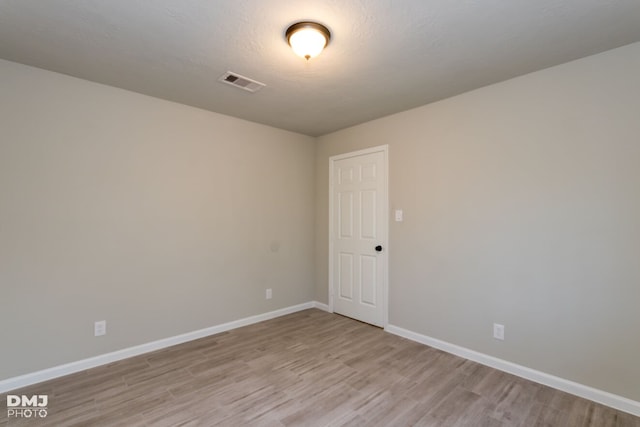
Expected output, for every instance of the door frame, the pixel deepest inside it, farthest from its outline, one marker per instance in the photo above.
(385, 221)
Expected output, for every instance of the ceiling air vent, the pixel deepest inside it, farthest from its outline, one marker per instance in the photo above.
(241, 82)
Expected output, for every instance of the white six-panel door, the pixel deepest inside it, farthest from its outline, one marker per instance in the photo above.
(358, 253)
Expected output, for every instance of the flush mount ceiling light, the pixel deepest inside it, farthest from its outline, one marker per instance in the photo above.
(307, 39)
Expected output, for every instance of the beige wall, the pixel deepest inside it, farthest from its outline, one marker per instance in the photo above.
(160, 218)
(522, 207)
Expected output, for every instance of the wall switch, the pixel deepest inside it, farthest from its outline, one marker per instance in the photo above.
(100, 328)
(269, 294)
(399, 216)
(498, 331)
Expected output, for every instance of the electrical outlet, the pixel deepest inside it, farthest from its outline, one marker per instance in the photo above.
(269, 294)
(498, 331)
(100, 328)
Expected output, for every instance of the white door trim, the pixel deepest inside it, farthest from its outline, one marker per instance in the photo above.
(385, 220)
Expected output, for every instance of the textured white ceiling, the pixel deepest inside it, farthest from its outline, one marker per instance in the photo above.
(385, 56)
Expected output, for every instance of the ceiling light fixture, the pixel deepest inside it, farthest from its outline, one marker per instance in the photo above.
(307, 39)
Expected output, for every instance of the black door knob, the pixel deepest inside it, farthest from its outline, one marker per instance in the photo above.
(378, 248)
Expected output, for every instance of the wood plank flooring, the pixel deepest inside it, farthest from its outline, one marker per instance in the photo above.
(306, 369)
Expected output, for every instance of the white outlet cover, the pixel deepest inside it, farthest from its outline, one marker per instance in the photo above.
(269, 294)
(498, 331)
(100, 328)
(399, 215)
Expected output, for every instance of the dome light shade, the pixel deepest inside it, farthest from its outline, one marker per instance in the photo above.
(308, 39)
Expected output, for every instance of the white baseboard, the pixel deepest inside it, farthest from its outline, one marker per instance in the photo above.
(103, 359)
(614, 401)
(321, 306)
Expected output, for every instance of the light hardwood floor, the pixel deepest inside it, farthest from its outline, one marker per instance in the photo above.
(307, 369)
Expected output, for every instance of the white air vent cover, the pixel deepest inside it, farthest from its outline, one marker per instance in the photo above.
(242, 82)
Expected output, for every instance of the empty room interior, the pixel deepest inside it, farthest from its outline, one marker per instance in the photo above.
(431, 216)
